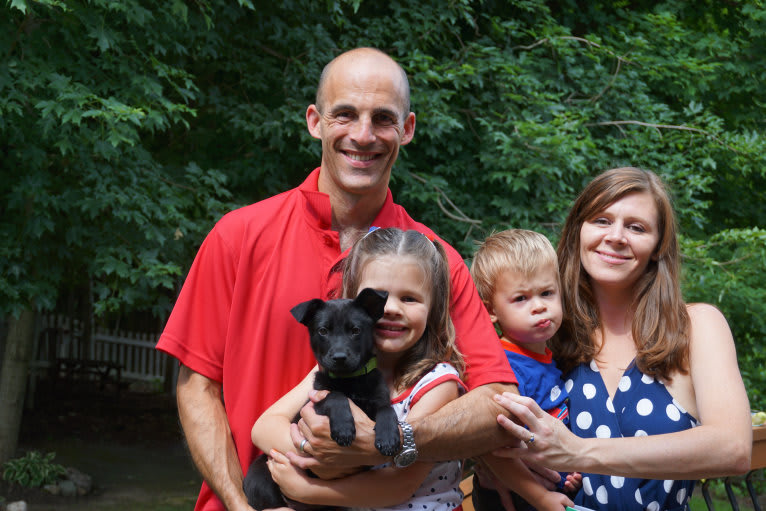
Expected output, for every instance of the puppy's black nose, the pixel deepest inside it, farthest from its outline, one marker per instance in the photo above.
(339, 356)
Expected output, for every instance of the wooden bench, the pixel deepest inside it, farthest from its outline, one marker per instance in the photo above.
(103, 371)
(466, 486)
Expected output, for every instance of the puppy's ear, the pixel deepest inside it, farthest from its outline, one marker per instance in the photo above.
(373, 301)
(305, 311)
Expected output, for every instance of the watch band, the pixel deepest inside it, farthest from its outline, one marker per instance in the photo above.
(409, 452)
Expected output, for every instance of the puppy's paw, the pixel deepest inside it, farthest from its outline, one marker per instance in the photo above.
(387, 446)
(343, 436)
(387, 438)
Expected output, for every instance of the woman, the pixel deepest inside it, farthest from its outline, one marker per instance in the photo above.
(655, 390)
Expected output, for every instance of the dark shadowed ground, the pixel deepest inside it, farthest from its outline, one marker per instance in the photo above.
(133, 449)
(131, 446)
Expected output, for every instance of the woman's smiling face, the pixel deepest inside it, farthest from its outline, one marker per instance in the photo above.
(617, 244)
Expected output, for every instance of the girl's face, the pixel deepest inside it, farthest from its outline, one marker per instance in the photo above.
(617, 244)
(409, 301)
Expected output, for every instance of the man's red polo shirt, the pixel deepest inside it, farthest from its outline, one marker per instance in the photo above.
(232, 320)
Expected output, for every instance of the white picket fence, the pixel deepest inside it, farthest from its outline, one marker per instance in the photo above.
(60, 337)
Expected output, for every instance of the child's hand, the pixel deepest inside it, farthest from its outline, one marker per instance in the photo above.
(291, 480)
(573, 483)
(488, 480)
(553, 501)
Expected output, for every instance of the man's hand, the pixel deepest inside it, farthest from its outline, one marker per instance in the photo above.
(321, 454)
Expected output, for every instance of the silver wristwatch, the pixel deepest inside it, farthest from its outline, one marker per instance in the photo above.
(409, 452)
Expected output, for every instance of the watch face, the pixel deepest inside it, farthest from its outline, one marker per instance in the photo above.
(406, 458)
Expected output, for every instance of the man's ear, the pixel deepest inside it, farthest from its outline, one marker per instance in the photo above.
(312, 121)
(409, 128)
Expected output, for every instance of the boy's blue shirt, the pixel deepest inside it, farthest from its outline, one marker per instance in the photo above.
(539, 378)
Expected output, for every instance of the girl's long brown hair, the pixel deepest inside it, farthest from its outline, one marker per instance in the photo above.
(438, 341)
(660, 324)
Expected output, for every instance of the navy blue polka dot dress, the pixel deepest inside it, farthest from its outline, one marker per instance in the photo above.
(641, 406)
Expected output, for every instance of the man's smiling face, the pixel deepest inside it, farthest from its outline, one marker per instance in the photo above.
(362, 123)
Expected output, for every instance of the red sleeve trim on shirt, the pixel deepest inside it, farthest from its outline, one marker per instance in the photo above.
(438, 381)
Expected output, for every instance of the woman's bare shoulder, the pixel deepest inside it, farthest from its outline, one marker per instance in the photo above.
(708, 322)
(702, 310)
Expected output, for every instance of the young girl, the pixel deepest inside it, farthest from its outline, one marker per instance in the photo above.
(417, 355)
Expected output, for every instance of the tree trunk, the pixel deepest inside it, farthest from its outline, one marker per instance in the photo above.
(19, 346)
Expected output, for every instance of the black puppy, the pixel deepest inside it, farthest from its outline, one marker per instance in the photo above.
(343, 341)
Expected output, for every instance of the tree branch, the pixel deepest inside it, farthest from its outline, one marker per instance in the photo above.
(609, 85)
(659, 127)
(456, 213)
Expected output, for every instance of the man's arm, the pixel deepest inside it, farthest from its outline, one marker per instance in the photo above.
(463, 428)
(207, 432)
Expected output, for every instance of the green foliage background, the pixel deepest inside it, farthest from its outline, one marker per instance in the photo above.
(128, 127)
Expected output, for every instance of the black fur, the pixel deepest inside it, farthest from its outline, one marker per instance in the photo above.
(342, 339)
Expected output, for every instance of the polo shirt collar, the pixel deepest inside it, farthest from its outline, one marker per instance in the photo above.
(319, 210)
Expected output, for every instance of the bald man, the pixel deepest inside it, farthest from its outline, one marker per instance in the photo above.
(231, 328)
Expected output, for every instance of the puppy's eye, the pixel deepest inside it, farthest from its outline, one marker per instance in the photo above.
(322, 331)
(356, 330)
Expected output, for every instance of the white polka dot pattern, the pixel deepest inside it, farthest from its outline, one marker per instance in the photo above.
(603, 431)
(555, 393)
(586, 486)
(644, 407)
(602, 496)
(641, 406)
(674, 413)
(584, 420)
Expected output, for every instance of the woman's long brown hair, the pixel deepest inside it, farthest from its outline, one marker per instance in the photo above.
(660, 324)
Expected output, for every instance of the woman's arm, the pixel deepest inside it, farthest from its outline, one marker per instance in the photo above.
(720, 446)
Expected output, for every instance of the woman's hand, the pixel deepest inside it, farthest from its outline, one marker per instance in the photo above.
(546, 440)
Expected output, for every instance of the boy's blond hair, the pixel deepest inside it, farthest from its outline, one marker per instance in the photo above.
(516, 250)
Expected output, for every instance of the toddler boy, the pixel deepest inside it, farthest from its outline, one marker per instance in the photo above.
(516, 274)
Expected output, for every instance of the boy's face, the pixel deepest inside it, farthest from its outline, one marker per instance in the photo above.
(527, 308)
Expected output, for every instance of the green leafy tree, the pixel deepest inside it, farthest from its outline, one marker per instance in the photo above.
(92, 196)
(127, 128)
